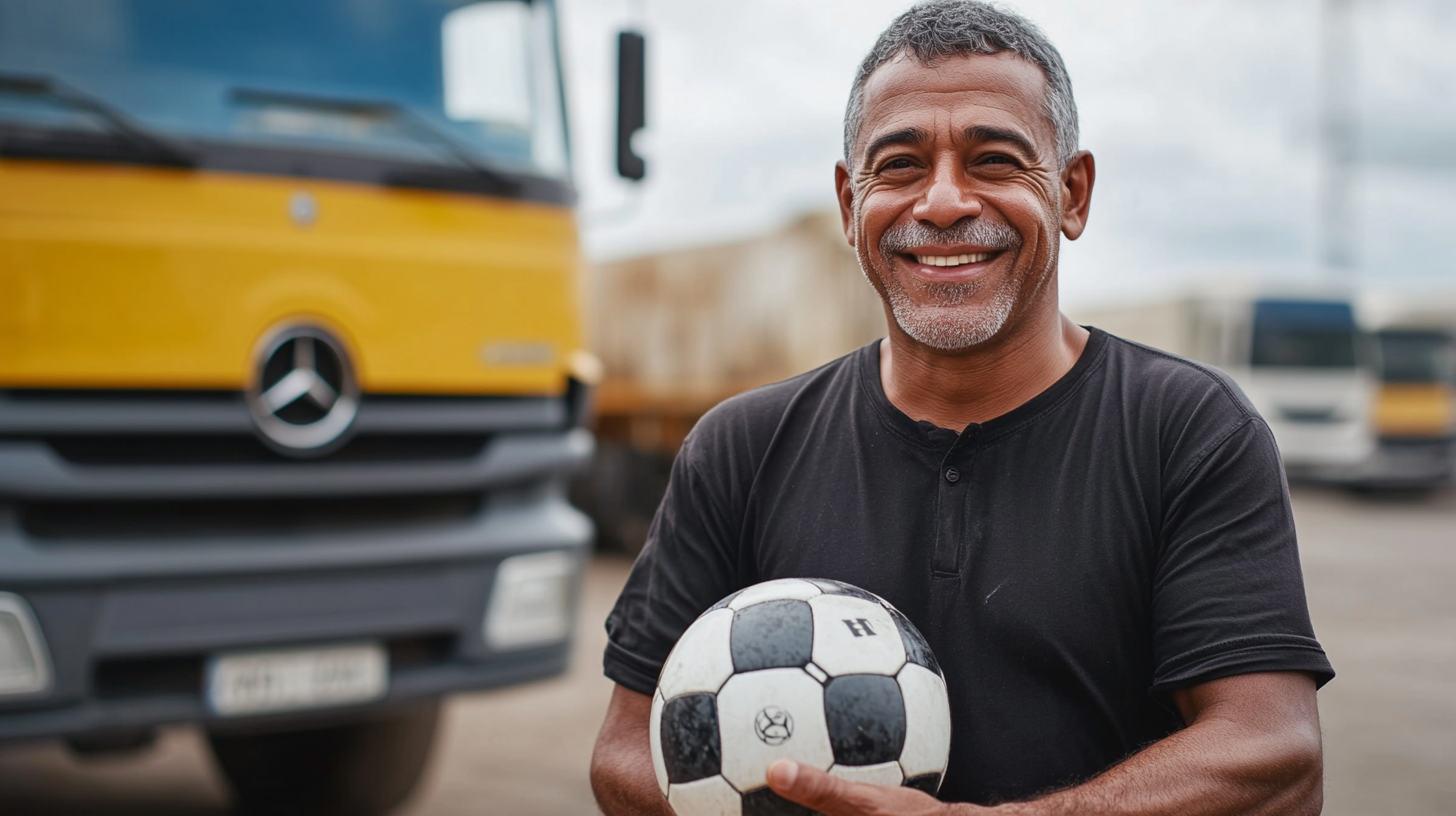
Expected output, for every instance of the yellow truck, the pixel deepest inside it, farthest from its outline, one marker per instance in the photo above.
(1415, 407)
(291, 376)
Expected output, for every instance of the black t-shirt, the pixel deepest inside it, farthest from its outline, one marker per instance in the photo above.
(1124, 533)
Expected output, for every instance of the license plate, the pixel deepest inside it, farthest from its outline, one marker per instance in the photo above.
(240, 683)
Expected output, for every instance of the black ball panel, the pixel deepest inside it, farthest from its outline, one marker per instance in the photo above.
(917, 651)
(772, 635)
(926, 783)
(829, 587)
(764, 802)
(866, 717)
(689, 733)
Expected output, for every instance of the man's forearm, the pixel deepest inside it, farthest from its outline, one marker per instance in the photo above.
(1193, 773)
(1253, 747)
(1218, 765)
(621, 789)
(621, 769)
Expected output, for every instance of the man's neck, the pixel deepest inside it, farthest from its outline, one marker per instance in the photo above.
(954, 389)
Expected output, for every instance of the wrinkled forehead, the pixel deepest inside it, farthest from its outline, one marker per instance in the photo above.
(1002, 90)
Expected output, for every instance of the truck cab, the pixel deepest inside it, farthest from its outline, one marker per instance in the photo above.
(291, 377)
(1415, 407)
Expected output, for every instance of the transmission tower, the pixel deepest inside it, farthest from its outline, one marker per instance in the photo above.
(1338, 134)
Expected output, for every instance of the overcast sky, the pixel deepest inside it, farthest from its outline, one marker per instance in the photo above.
(1203, 117)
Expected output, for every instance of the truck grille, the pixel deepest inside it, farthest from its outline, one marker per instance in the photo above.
(139, 466)
(229, 449)
(154, 520)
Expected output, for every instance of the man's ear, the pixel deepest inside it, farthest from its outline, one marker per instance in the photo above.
(1077, 182)
(844, 191)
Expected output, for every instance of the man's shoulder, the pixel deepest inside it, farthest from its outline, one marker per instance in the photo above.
(1179, 411)
(754, 417)
(1176, 384)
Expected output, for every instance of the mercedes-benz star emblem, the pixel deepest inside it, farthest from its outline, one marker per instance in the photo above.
(303, 398)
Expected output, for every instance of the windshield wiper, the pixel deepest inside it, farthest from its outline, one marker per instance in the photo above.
(143, 143)
(393, 111)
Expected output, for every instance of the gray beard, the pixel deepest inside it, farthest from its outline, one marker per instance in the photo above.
(953, 322)
(944, 316)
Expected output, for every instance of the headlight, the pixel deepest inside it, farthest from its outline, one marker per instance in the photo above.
(25, 666)
(530, 604)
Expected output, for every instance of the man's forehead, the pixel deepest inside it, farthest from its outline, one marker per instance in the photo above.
(1004, 85)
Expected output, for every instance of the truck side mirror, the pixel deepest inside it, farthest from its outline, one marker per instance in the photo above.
(631, 102)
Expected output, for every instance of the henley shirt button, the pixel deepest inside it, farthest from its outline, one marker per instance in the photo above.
(952, 475)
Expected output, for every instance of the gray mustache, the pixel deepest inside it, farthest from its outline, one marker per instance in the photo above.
(978, 231)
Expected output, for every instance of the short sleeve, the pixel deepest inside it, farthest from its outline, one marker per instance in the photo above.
(686, 566)
(1228, 594)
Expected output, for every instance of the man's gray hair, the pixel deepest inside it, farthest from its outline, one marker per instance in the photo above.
(937, 29)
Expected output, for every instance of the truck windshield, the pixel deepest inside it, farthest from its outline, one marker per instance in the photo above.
(1416, 357)
(460, 84)
(1304, 334)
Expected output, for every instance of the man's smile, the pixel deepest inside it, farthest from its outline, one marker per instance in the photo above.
(963, 253)
(949, 263)
(951, 260)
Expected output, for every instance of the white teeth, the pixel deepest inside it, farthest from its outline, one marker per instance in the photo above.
(952, 260)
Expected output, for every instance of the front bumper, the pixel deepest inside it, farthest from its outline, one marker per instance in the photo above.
(1396, 463)
(129, 625)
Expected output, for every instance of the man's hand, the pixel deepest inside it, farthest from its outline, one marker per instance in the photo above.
(831, 796)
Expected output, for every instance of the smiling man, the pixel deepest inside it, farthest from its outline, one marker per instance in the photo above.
(1094, 536)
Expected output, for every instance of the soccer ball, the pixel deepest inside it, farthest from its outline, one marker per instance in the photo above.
(812, 670)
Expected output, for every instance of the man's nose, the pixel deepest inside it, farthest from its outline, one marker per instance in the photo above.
(948, 197)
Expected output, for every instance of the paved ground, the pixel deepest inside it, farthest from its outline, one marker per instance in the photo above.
(1382, 582)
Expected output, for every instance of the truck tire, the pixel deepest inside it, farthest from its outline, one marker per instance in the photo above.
(365, 767)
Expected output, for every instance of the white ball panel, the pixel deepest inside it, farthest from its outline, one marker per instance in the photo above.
(702, 658)
(655, 737)
(927, 721)
(746, 755)
(855, 636)
(705, 797)
(790, 588)
(886, 774)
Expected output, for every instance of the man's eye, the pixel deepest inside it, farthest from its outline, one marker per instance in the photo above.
(898, 164)
(997, 159)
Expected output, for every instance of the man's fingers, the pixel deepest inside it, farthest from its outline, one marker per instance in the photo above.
(831, 796)
(782, 774)
(809, 786)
